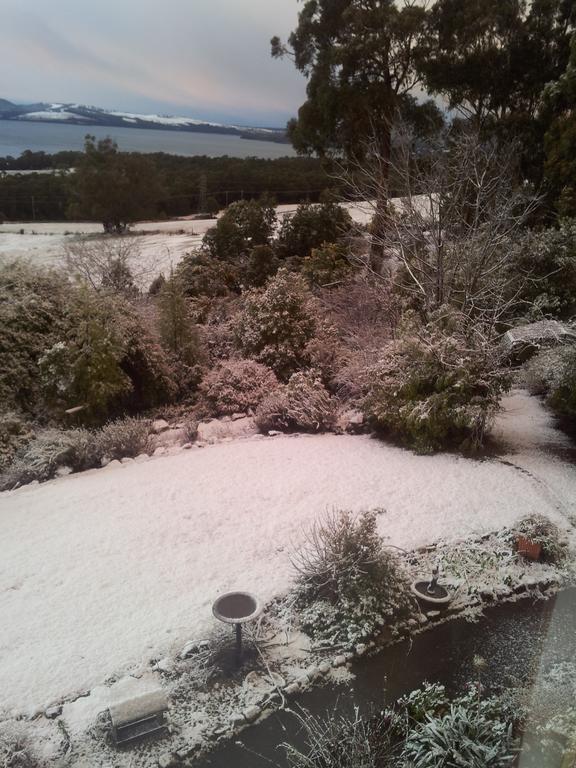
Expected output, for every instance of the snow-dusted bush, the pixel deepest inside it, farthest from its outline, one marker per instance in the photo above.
(552, 373)
(237, 385)
(435, 390)
(348, 583)
(548, 260)
(468, 731)
(562, 397)
(276, 323)
(543, 372)
(123, 438)
(51, 449)
(304, 403)
(15, 432)
(425, 729)
(32, 318)
(310, 227)
(540, 530)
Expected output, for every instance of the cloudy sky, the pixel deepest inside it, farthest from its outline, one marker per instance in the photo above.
(199, 58)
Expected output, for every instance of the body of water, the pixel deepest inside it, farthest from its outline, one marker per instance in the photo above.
(16, 136)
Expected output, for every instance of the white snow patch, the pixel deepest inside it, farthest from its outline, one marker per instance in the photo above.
(60, 116)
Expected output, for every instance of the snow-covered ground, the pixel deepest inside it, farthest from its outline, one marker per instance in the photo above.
(102, 571)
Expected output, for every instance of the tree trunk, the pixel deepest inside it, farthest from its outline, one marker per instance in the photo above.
(380, 222)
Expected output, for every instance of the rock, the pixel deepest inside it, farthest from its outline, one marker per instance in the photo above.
(348, 655)
(360, 649)
(292, 689)
(339, 661)
(127, 460)
(432, 614)
(166, 760)
(187, 446)
(257, 437)
(216, 430)
(112, 464)
(54, 711)
(105, 460)
(237, 719)
(141, 457)
(251, 713)
(63, 471)
(160, 425)
(238, 416)
(273, 433)
(165, 665)
(324, 668)
(351, 421)
(160, 451)
(203, 645)
(168, 438)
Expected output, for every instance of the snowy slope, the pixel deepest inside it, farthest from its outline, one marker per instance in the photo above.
(102, 571)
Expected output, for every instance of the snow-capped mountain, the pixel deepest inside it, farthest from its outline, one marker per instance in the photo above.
(80, 114)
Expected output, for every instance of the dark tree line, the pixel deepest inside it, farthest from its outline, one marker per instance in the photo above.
(186, 184)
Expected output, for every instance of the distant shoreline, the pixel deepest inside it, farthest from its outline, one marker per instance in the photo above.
(274, 135)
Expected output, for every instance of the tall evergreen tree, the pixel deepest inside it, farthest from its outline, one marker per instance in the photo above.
(114, 187)
(361, 59)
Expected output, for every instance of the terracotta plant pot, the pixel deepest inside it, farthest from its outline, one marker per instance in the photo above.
(531, 550)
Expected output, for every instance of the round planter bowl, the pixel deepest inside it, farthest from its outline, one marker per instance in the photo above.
(236, 607)
(440, 598)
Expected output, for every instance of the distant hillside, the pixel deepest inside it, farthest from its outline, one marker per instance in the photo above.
(80, 114)
(7, 106)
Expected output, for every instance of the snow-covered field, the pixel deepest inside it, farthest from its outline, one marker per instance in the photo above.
(102, 571)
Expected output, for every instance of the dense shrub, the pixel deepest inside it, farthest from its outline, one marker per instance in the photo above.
(276, 323)
(32, 318)
(544, 371)
(125, 437)
(203, 275)
(435, 390)
(243, 225)
(552, 373)
(562, 397)
(303, 403)
(261, 264)
(547, 259)
(311, 227)
(326, 265)
(237, 385)
(82, 368)
(348, 583)
(15, 432)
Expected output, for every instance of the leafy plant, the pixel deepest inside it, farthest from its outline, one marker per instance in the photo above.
(348, 583)
(540, 530)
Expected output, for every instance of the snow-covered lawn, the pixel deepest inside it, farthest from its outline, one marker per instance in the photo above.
(102, 571)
